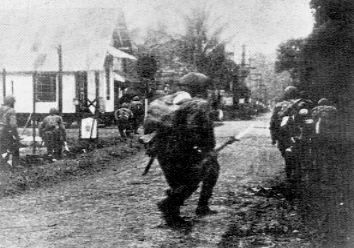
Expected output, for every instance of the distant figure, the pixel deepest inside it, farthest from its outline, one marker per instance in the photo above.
(137, 108)
(52, 131)
(9, 138)
(123, 117)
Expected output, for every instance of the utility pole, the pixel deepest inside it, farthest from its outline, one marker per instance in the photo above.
(34, 95)
(4, 82)
(60, 80)
(244, 72)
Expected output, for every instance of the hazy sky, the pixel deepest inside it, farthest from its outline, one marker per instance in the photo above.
(260, 24)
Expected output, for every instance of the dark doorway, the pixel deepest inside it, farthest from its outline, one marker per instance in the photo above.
(81, 91)
(116, 89)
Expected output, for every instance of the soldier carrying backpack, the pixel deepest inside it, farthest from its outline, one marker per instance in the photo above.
(183, 141)
(123, 117)
(53, 133)
(282, 126)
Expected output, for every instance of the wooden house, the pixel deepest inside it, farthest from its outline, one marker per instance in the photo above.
(63, 58)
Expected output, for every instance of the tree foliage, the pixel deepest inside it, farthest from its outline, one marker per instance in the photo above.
(328, 54)
(146, 66)
(326, 10)
(289, 57)
(322, 64)
(198, 48)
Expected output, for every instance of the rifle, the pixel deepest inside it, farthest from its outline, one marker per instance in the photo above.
(229, 141)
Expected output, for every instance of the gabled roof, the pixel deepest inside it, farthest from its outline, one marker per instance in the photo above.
(30, 38)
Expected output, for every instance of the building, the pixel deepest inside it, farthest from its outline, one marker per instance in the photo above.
(70, 59)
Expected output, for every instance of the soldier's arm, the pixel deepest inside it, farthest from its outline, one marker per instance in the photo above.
(43, 126)
(131, 115)
(12, 119)
(12, 122)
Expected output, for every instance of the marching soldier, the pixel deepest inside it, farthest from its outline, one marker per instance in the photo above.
(52, 131)
(123, 117)
(280, 123)
(9, 138)
(324, 116)
(184, 147)
(325, 144)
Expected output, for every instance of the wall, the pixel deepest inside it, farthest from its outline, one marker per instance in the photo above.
(23, 91)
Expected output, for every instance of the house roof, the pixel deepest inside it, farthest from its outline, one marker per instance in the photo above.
(30, 38)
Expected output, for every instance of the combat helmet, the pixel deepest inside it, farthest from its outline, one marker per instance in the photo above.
(125, 105)
(323, 102)
(290, 92)
(9, 101)
(196, 83)
(136, 98)
(53, 111)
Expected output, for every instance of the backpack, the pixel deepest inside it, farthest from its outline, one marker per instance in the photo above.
(161, 111)
(137, 108)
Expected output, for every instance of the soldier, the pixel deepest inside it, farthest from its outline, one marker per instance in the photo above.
(281, 126)
(324, 116)
(123, 117)
(137, 108)
(9, 138)
(325, 144)
(52, 131)
(184, 148)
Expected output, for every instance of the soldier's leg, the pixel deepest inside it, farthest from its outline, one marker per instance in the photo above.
(179, 191)
(58, 144)
(211, 168)
(121, 130)
(49, 143)
(15, 155)
(134, 124)
(170, 206)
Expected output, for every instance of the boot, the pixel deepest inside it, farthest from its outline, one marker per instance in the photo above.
(204, 210)
(171, 214)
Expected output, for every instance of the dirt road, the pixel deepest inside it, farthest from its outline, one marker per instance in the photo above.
(117, 207)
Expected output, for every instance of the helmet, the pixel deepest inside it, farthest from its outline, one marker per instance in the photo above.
(125, 105)
(290, 92)
(53, 111)
(9, 101)
(323, 102)
(136, 98)
(197, 83)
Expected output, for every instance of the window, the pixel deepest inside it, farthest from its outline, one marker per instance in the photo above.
(46, 88)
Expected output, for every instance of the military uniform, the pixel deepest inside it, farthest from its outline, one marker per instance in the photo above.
(52, 131)
(184, 146)
(325, 144)
(281, 128)
(9, 139)
(325, 118)
(123, 117)
(137, 109)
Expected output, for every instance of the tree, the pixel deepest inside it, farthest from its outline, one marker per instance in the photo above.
(328, 54)
(289, 58)
(326, 10)
(202, 49)
(146, 66)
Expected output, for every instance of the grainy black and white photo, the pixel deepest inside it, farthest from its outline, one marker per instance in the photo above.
(165, 123)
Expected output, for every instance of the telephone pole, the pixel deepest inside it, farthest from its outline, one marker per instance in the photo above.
(60, 80)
